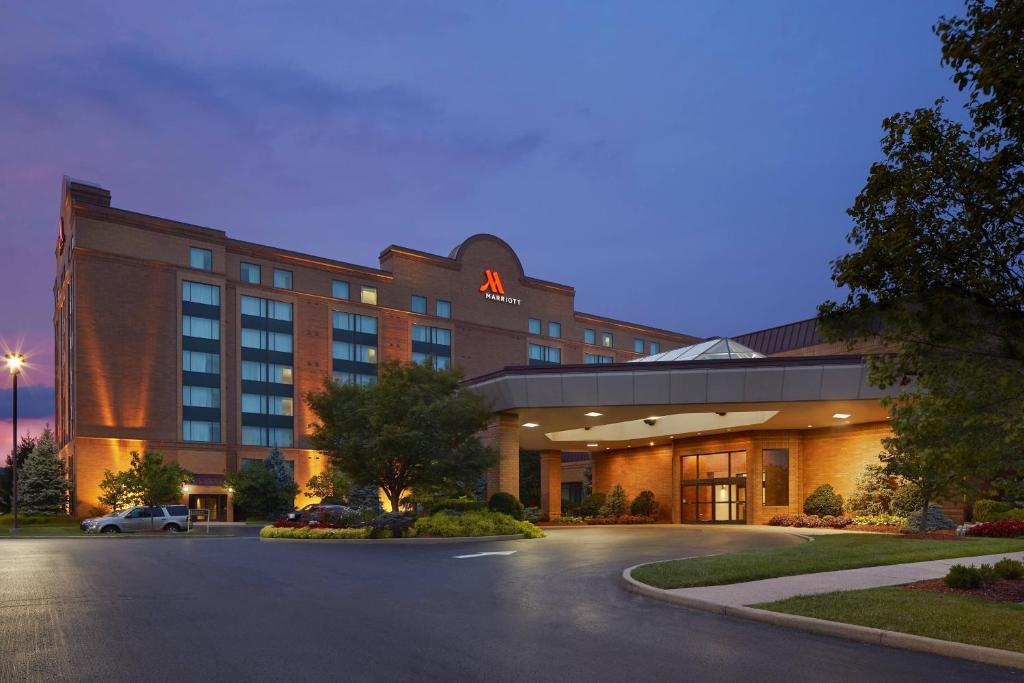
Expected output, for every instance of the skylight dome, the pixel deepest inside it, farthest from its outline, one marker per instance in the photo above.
(718, 348)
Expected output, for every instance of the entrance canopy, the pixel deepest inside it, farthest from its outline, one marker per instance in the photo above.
(597, 407)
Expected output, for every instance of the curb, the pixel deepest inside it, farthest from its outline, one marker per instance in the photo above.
(426, 540)
(864, 634)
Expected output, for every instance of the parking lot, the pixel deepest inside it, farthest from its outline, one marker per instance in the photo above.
(192, 608)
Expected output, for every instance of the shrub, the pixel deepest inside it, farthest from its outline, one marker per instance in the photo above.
(811, 521)
(592, 504)
(962, 576)
(1016, 513)
(644, 505)
(535, 514)
(823, 501)
(569, 519)
(457, 505)
(882, 519)
(1006, 528)
(1007, 568)
(390, 525)
(475, 523)
(990, 510)
(614, 504)
(906, 499)
(507, 504)
(623, 519)
(935, 520)
(275, 531)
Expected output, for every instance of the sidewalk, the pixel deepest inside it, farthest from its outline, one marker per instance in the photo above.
(770, 590)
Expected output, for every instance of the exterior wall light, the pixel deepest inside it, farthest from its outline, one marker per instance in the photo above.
(841, 416)
(593, 413)
(531, 425)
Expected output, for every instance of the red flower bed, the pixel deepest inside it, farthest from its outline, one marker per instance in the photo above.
(623, 519)
(810, 521)
(1007, 528)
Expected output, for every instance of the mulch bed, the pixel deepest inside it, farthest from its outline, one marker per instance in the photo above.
(1001, 591)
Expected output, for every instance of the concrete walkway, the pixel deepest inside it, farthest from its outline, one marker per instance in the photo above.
(770, 590)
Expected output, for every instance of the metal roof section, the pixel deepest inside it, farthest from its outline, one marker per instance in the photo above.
(784, 337)
(717, 348)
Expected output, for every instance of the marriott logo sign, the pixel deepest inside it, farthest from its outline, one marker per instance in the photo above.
(493, 290)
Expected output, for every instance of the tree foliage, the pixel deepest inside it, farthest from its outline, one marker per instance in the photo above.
(938, 267)
(416, 427)
(42, 486)
(331, 485)
(155, 482)
(264, 488)
(119, 490)
(25, 446)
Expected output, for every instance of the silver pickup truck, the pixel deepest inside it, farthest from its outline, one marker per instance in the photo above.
(139, 518)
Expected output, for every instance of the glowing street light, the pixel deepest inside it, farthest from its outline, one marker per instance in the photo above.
(14, 361)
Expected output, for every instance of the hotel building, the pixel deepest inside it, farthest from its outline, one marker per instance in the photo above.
(180, 339)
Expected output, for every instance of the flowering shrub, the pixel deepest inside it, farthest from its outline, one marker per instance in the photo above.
(1007, 528)
(811, 521)
(880, 520)
(623, 519)
(319, 533)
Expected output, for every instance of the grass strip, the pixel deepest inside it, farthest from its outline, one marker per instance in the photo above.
(824, 554)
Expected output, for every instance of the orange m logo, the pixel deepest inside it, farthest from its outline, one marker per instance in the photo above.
(493, 283)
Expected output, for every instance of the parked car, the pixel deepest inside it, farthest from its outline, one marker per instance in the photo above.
(307, 512)
(139, 518)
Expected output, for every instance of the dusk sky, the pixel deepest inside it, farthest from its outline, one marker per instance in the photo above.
(685, 165)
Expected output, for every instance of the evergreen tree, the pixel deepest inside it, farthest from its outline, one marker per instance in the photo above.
(279, 466)
(6, 473)
(42, 488)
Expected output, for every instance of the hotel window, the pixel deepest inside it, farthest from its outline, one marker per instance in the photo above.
(200, 258)
(368, 294)
(443, 309)
(267, 345)
(266, 436)
(199, 293)
(638, 345)
(339, 289)
(250, 272)
(353, 348)
(544, 355)
(282, 278)
(432, 346)
(554, 330)
(606, 339)
(202, 328)
(200, 362)
(775, 476)
(589, 337)
(597, 359)
(196, 430)
(534, 326)
(655, 348)
(200, 397)
(419, 304)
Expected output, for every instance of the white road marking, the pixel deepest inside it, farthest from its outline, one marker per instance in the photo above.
(497, 552)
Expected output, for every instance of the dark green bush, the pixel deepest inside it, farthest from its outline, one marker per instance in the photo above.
(457, 505)
(507, 504)
(591, 505)
(644, 505)
(990, 510)
(569, 508)
(936, 520)
(615, 503)
(1009, 569)
(962, 576)
(906, 499)
(824, 501)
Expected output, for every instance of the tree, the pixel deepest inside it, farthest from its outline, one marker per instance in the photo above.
(330, 485)
(42, 488)
(155, 482)
(938, 270)
(416, 427)
(529, 478)
(264, 488)
(120, 490)
(24, 448)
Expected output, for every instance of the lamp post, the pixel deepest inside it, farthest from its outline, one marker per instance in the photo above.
(14, 363)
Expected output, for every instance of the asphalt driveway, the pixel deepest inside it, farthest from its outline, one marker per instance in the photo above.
(237, 609)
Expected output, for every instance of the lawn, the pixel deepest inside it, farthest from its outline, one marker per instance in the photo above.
(40, 525)
(924, 613)
(823, 554)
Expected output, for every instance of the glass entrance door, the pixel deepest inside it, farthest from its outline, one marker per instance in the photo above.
(714, 487)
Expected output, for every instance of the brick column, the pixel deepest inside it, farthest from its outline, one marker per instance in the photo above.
(503, 434)
(551, 483)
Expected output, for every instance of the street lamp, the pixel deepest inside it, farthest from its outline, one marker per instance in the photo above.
(14, 363)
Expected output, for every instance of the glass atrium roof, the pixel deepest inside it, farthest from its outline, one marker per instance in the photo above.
(711, 349)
